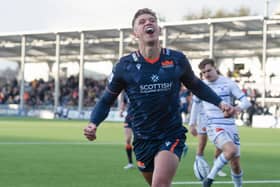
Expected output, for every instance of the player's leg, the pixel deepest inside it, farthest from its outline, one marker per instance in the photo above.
(166, 164)
(128, 135)
(222, 160)
(202, 141)
(236, 172)
(229, 151)
(128, 146)
(183, 115)
(167, 160)
(158, 160)
(145, 151)
(216, 154)
(219, 163)
(148, 176)
(223, 140)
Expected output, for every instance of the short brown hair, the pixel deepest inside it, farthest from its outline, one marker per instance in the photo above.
(206, 61)
(141, 12)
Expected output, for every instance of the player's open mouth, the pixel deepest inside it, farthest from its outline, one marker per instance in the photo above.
(149, 30)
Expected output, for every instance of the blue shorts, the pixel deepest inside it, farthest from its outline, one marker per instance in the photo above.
(146, 150)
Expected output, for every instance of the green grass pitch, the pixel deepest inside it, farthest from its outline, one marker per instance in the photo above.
(54, 153)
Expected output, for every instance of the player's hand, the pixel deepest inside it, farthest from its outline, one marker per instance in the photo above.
(90, 131)
(193, 130)
(227, 109)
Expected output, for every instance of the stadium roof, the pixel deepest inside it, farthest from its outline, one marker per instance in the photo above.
(220, 38)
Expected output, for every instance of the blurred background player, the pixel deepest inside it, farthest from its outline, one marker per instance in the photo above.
(197, 127)
(185, 103)
(222, 131)
(124, 112)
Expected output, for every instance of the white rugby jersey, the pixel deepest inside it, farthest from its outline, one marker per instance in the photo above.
(228, 90)
(197, 115)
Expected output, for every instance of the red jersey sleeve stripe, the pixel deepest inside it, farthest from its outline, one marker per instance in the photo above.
(174, 145)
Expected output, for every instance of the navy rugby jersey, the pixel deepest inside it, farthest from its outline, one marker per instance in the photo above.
(126, 101)
(153, 91)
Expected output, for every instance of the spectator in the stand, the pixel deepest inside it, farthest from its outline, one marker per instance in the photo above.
(251, 112)
(229, 73)
(271, 76)
(277, 114)
(2, 97)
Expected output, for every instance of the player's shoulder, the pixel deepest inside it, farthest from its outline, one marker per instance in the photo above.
(226, 80)
(173, 53)
(178, 56)
(125, 61)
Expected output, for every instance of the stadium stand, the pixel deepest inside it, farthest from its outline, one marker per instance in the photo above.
(254, 37)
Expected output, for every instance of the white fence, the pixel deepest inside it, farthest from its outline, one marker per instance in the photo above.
(259, 121)
(64, 113)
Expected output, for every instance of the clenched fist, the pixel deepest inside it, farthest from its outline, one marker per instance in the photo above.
(227, 109)
(90, 131)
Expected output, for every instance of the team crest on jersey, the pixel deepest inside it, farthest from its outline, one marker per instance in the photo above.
(155, 78)
(167, 64)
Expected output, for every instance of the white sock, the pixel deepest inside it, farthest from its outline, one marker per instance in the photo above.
(237, 179)
(219, 163)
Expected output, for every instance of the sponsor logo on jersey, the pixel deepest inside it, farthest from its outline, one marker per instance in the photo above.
(157, 87)
(167, 64)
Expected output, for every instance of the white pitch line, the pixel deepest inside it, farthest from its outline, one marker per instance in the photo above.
(113, 143)
(60, 143)
(230, 182)
(101, 143)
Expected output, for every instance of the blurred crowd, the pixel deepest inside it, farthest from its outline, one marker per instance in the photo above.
(41, 93)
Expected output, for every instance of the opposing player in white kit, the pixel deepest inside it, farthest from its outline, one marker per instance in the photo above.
(197, 127)
(220, 130)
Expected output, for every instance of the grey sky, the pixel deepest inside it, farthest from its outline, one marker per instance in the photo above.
(56, 15)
